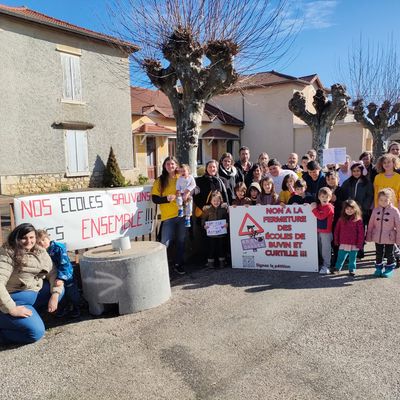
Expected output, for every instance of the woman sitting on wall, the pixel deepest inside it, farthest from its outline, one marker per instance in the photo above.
(172, 227)
(24, 288)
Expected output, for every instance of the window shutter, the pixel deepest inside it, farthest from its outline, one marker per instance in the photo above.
(76, 78)
(72, 85)
(66, 70)
(77, 152)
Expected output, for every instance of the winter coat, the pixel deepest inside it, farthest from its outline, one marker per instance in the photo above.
(35, 267)
(324, 214)
(230, 179)
(269, 199)
(206, 185)
(384, 225)
(361, 190)
(211, 213)
(314, 186)
(242, 202)
(241, 171)
(58, 254)
(349, 232)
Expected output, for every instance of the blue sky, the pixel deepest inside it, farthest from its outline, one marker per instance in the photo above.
(329, 29)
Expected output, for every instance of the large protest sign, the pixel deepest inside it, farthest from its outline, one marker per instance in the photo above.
(88, 219)
(274, 238)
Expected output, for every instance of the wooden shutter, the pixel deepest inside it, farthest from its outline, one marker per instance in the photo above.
(77, 152)
(72, 86)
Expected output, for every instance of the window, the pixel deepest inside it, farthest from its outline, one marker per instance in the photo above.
(172, 147)
(77, 152)
(72, 87)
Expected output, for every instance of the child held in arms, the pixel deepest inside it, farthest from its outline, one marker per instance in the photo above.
(184, 186)
(69, 305)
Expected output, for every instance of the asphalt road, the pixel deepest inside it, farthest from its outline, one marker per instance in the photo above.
(228, 334)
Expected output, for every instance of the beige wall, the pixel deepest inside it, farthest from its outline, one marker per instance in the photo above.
(268, 120)
(350, 135)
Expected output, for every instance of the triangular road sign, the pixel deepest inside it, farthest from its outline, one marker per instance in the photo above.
(249, 226)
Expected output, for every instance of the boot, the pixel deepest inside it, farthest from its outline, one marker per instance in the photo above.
(222, 262)
(378, 270)
(388, 271)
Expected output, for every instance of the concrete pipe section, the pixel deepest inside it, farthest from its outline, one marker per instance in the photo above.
(137, 278)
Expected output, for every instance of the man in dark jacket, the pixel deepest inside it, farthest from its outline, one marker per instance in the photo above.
(315, 179)
(243, 165)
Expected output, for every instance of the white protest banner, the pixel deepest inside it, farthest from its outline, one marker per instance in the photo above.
(215, 228)
(88, 219)
(274, 238)
(334, 155)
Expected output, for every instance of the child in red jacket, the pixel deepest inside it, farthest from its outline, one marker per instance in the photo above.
(349, 235)
(324, 213)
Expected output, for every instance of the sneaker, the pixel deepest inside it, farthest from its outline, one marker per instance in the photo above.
(378, 270)
(187, 223)
(62, 312)
(179, 269)
(388, 271)
(352, 274)
(180, 213)
(324, 271)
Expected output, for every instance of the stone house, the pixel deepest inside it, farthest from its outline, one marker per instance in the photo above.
(261, 102)
(154, 131)
(65, 100)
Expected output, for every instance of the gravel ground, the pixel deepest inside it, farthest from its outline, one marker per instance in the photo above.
(227, 334)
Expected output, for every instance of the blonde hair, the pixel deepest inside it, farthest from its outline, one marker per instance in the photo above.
(387, 192)
(41, 234)
(381, 159)
(325, 190)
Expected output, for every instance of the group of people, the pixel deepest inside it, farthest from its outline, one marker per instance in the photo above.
(353, 202)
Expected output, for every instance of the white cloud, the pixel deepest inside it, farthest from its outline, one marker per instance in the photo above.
(319, 14)
(313, 14)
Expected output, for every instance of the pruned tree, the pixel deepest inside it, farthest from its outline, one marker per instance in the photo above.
(327, 112)
(190, 50)
(372, 73)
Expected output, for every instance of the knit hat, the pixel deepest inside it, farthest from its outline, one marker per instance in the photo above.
(255, 185)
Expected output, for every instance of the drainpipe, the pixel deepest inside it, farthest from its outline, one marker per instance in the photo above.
(243, 116)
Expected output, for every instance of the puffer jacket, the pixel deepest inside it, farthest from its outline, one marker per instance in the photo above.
(361, 190)
(36, 267)
(206, 185)
(384, 225)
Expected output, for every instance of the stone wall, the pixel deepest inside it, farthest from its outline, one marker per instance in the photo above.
(44, 183)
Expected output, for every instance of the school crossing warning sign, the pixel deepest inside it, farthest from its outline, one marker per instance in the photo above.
(274, 237)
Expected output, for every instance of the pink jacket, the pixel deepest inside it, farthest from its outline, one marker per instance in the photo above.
(349, 232)
(384, 225)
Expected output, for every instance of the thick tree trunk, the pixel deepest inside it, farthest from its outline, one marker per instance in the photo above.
(320, 141)
(378, 146)
(188, 126)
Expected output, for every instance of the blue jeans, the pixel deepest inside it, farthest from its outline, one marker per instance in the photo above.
(22, 330)
(71, 294)
(173, 230)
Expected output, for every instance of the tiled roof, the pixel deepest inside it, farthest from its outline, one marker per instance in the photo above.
(155, 129)
(34, 16)
(219, 134)
(145, 101)
(270, 78)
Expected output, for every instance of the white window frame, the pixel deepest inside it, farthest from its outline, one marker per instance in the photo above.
(76, 153)
(72, 82)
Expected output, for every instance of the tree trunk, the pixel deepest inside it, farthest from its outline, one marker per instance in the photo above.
(378, 147)
(188, 127)
(320, 141)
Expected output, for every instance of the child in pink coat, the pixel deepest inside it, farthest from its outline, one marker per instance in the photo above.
(383, 229)
(349, 235)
